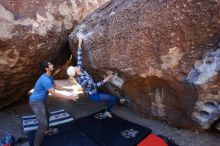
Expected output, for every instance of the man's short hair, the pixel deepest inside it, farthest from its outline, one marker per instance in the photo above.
(44, 65)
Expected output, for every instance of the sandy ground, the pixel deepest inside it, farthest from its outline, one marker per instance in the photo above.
(10, 120)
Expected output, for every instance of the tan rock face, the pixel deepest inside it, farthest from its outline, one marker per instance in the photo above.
(31, 31)
(155, 45)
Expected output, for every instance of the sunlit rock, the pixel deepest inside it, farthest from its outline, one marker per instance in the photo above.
(153, 46)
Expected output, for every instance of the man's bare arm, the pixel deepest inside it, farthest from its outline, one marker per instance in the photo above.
(80, 41)
(58, 87)
(58, 95)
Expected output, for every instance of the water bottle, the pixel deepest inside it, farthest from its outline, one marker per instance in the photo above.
(8, 139)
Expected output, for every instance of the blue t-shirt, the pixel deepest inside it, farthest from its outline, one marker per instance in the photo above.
(41, 87)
